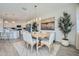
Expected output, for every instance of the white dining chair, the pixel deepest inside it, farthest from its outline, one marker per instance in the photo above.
(29, 40)
(48, 42)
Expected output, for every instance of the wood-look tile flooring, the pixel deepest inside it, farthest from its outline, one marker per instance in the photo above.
(7, 49)
(18, 48)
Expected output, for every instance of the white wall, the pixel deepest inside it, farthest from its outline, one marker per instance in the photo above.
(77, 13)
(77, 34)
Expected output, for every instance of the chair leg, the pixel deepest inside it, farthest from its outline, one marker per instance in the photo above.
(31, 48)
(27, 45)
(49, 48)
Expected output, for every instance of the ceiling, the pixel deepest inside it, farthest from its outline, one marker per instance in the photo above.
(26, 11)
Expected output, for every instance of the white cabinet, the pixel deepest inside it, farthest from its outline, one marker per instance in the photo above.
(14, 34)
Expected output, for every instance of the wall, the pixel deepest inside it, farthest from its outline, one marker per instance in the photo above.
(77, 34)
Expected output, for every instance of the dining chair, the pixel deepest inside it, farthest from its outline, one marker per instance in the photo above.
(29, 40)
(48, 42)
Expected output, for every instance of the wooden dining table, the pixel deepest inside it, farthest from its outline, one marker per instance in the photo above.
(38, 35)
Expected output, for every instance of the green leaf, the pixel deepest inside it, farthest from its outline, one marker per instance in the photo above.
(65, 23)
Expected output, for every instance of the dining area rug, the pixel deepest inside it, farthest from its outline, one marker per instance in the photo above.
(22, 49)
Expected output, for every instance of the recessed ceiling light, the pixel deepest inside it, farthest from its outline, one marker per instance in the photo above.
(0, 22)
(6, 21)
(13, 21)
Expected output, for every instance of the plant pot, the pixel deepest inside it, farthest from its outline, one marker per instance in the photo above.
(65, 42)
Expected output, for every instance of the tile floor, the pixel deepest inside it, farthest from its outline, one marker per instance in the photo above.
(18, 48)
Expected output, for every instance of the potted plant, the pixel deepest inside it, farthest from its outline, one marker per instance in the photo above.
(65, 26)
(34, 27)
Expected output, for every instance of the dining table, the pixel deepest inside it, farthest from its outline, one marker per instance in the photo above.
(40, 35)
